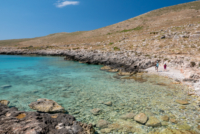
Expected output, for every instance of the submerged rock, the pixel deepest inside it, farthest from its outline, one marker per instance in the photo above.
(153, 122)
(172, 120)
(45, 105)
(102, 124)
(95, 111)
(184, 126)
(128, 116)
(6, 86)
(173, 131)
(165, 118)
(183, 102)
(109, 103)
(19, 122)
(141, 118)
(4, 102)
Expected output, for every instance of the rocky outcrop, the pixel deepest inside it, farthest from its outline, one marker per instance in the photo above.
(14, 121)
(4, 102)
(45, 105)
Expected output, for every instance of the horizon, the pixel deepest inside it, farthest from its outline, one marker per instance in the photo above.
(30, 19)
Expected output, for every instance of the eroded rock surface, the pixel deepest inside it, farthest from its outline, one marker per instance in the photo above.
(4, 102)
(18, 122)
(45, 105)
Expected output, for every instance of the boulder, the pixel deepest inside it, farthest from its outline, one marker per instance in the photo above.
(128, 116)
(46, 105)
(4, 102)
(141, 118)
(102, 124)
(153, 122)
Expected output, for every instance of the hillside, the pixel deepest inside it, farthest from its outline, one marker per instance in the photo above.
(166, 31)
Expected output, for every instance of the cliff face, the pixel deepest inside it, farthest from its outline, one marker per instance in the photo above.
(14, 121)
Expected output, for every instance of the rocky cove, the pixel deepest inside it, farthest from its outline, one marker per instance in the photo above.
(146, 108)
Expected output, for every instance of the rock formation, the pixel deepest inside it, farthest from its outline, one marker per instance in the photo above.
(19, 122)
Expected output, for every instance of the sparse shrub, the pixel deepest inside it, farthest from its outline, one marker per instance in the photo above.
(116, 49)
(166, 59)
(128, 30)
(153, 32)
(111, 43)
(192, 63)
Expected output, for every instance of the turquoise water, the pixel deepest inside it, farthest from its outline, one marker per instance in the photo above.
(80, 87)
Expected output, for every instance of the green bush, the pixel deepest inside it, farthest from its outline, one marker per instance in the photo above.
(116, 49)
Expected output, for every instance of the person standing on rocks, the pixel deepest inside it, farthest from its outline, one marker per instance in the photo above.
(165, 67)
(157, 65)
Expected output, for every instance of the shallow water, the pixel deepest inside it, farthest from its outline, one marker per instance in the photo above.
(80, 87)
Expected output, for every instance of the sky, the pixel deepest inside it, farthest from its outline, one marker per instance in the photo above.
(35, 18)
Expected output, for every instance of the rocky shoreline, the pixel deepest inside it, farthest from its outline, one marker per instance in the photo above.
(124, 61)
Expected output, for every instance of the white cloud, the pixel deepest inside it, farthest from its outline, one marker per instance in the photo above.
(64, 3)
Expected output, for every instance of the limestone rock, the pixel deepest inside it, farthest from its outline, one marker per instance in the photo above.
(20, 122)
(109, 103)
(141, 118)
(183, 102)
(153, 122)
(4, 102)
(102, 124)
(45, 105)
(95, 111)
(106, 68)
(128, 116)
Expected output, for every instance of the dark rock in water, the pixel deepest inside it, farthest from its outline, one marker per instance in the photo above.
(6, 86)
(45, 105)
(14, 121)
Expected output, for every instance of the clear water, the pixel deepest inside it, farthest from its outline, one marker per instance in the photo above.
(80, 87)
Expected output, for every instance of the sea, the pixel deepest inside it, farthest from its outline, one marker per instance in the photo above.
(80, 87)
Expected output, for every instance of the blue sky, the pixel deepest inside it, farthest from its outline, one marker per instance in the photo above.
(34, 18)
